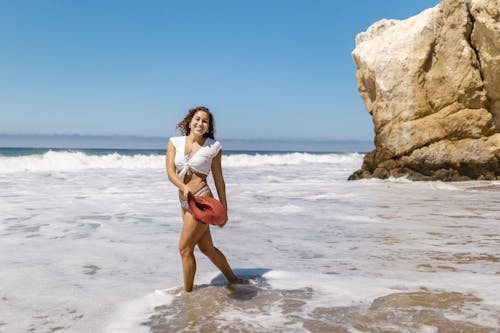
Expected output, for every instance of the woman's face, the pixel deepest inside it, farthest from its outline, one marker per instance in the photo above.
(199, 123)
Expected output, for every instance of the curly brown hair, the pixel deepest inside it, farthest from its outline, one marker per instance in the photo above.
(183, 125)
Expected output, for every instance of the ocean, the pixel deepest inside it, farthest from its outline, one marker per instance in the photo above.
(88, 243)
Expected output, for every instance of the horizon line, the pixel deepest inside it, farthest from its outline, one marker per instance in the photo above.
(156, 137)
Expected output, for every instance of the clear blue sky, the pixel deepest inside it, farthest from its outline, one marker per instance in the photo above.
(266, 68)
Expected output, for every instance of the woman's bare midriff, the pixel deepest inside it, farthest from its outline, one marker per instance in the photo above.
(195, 182)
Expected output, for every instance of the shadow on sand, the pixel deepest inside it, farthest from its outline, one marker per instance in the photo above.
(246, 291)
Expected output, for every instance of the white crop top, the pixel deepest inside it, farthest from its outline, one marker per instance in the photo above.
(200, 162)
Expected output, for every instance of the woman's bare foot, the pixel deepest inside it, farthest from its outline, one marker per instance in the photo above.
(239, 281)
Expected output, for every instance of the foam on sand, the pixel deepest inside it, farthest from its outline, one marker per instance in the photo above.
(292, 301)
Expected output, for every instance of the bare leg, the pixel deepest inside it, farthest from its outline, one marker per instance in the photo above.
(192, 231)
(207, 247)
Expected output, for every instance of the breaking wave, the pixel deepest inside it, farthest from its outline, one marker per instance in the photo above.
(75, 160)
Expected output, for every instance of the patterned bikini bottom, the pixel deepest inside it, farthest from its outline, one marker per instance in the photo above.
(184, 203)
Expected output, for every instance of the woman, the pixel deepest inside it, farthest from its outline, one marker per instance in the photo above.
(189, 159)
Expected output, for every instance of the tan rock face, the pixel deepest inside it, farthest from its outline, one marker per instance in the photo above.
(485, 39)
(432, 86)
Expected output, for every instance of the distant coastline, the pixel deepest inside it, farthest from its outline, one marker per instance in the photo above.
(139, 142)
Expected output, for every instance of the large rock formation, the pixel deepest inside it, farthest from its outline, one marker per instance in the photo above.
(432, 86)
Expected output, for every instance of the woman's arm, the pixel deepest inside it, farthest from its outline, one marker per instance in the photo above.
(172, 175)
(220, 185)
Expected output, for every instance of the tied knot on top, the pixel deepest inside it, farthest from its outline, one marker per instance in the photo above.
(186, 167)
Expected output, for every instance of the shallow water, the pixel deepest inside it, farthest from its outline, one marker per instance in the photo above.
(89, 244)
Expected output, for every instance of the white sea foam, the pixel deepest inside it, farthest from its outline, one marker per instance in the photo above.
(75, 161)
(258, 160)
(67, 161)
(129, 316)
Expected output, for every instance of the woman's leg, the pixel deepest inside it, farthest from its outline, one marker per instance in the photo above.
(207, 247)
(192, 231)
